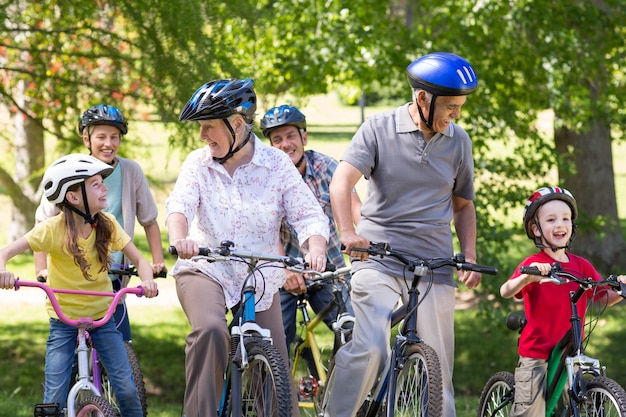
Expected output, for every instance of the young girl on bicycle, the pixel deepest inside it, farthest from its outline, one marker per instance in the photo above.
(549, 220)
(79, 241)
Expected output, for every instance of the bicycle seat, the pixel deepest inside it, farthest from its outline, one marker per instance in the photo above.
(516, 320)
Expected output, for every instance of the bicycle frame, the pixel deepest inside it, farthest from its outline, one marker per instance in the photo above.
(310, 341)
(244, 329)
(84, 382)
(407, 338)
(570, 373)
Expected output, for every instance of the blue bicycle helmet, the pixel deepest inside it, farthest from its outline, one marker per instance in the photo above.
(103, 114)
(441, 74)
(284, 115)
(219, 99)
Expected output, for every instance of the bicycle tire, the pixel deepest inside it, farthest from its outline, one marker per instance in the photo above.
(418, 387)
(107, 390)
(496, 398)
(266, 384)
(95, 406)
(605, 397)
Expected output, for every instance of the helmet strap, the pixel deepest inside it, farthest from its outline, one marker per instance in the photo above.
(554, 248)
(86, 215)
(232, 151)
(300, 161)
(431, 112)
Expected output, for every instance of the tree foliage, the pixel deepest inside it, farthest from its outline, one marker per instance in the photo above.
(148, 56)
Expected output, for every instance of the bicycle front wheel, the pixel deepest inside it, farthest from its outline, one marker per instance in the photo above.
(605, 397)
(417, 389)
(95, 407)
(265, 383)
(496, 399)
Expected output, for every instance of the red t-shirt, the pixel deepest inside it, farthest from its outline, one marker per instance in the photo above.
(547, 306)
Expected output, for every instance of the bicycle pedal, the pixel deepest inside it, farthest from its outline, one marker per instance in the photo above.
(48, 410)
(307, 387)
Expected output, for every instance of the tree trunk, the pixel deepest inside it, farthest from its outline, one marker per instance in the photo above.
(586, 169)
(29, 160)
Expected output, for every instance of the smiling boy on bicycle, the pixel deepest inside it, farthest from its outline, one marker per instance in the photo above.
(549, 220)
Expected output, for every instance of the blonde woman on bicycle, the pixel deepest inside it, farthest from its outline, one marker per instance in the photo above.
(239, 189)
(79, 241)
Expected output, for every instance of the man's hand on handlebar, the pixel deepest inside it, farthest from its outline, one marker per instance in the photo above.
(295, 283)
(351, 240)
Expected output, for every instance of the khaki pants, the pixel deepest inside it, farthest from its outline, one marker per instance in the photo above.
(208, 343)
(530, 388)
(360, 362)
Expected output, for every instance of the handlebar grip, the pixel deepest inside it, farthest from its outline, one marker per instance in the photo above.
(203, 251)
(530, 270)
(483, 269)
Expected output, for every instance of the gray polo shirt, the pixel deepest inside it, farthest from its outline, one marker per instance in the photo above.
(409, 192)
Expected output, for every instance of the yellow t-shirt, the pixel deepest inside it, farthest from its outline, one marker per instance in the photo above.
(49, 236)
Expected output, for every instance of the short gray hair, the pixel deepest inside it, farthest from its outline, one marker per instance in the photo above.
(427, 95)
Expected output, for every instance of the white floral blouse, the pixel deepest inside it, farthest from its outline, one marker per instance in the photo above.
(246, 209)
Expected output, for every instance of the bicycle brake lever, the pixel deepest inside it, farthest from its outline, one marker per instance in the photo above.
(554, 280)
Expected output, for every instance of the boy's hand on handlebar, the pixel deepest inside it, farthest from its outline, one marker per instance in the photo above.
(186, 248)
(351, 240)
(7, 280)
(294, 283)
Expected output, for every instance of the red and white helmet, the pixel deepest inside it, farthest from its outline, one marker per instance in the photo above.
(542, 196)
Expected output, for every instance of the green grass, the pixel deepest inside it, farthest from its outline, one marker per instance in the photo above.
(159, 338)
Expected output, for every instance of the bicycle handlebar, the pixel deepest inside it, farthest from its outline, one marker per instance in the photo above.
(558, 276)
(457, 261)
(123, 269)
(319, 278)
(225, 252)
(83, 321)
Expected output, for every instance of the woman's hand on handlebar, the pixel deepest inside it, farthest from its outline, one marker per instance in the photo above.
(316, 255)
(351, 240)
(185, 248)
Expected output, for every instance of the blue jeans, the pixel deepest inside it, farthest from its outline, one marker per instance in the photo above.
(317, 300)
(122, 322)
(60, 349)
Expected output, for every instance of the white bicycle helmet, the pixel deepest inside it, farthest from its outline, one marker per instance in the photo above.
(70, 170)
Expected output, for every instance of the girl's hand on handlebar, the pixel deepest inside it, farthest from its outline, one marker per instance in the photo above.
(7, 280)
(185, 248)
(149, 288)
